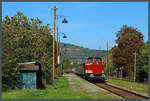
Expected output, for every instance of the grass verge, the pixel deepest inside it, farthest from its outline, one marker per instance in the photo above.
(63, 91)
(139, 87)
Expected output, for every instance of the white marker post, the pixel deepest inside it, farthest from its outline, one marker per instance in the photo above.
(58, 59)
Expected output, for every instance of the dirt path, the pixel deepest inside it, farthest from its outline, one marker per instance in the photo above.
(82, 84)
(78, 83)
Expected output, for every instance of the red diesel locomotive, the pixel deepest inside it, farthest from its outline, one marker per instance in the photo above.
(91, 69)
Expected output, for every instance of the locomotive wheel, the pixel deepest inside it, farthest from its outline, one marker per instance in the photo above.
(86, 78)
(103, 81)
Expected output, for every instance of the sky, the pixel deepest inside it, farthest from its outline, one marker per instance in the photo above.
(90, 24)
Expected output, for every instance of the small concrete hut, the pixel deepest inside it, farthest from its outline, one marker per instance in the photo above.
(31, 75)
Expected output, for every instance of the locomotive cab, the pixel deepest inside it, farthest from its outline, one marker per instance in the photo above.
(94, 69)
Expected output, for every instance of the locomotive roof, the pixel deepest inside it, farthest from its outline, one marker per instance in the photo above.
(94, 57)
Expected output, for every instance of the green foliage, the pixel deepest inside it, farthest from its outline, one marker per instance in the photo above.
(24, 40)
(67, 63)
(142, 63)
(63, 91)
(139, 87)
(110, 63)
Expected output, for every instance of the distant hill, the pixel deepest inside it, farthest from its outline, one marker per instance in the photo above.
(78, 53)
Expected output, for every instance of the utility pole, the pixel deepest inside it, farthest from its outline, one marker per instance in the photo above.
(54, 48)
(61, 59)
(107, 60)
(121, 72)
(57, 50)
(100, 51)
(95, 53)
(134, 66)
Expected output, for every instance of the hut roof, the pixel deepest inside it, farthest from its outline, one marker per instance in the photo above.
(28, 66)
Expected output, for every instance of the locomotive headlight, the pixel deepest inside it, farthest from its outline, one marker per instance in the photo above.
(103, 75)
(91, 75)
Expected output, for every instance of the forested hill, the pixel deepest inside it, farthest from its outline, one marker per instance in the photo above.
(77, 53)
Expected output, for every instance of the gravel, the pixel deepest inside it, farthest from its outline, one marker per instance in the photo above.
(78, 83)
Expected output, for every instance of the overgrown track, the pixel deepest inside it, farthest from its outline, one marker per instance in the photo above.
(121, 92)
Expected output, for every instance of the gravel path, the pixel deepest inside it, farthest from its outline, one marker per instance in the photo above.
(76, 81)
(79, 84)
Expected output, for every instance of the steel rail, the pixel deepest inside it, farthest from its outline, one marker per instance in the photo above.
(121, 92)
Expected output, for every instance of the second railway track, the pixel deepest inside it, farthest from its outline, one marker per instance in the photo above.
(121, 92)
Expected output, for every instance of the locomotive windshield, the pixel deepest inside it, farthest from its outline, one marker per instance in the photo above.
(98, 60)
(89, 60)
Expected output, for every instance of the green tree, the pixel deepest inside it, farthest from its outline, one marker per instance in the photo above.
(111, 66)
(67, 63)
(23, 40)
(129, 40)
(142, 64)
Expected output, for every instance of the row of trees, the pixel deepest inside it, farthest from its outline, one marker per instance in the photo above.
(24, 40)
(142, 64)
(122, 56)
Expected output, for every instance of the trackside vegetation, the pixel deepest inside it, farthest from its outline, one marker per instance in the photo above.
(129, 56)
(139, 87)
(63, 91)
(25, 40)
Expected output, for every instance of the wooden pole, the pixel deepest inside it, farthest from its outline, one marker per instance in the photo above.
(57, 50)
(134, 66)
(61, 59)
(107, 60)
(100, 51)
(121, 72)
(54, 48)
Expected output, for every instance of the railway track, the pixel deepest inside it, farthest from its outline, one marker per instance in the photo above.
(121, 92)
